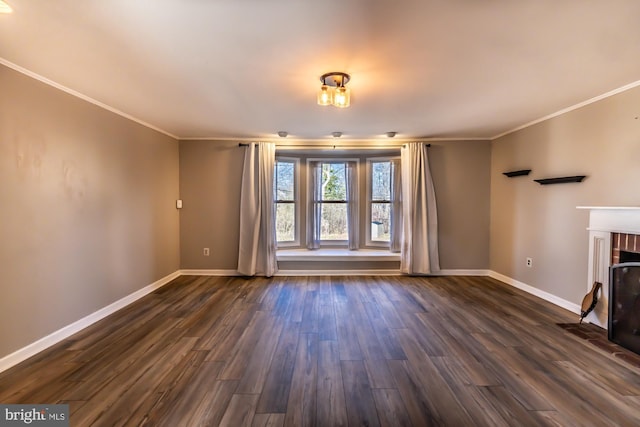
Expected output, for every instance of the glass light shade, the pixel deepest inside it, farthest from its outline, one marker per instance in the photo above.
(342, 97)
(325, 95)
(5, 8)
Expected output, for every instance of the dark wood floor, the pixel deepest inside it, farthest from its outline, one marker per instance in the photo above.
(332, 351)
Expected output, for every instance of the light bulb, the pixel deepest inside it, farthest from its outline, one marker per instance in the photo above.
(4, 7)
(342, 97)
(325, 95)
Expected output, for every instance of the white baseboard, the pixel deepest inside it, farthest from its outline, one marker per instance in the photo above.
(575, 308)
(209, 273)
(43, 343)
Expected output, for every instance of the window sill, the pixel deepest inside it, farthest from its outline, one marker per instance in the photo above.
(336, 255)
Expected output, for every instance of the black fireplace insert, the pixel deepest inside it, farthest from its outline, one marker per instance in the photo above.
(624, 305)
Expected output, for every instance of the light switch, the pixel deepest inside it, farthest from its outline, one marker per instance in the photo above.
(178, 204)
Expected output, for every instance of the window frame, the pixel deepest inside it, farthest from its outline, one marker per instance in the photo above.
(369, 200)
(335, 160)
(295, 202)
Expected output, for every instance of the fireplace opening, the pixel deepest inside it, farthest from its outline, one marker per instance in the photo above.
(626, 256)
(624, 305)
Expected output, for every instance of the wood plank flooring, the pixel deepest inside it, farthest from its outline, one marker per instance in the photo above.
(332, 351)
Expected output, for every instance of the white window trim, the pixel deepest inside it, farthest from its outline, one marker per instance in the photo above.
(369, 186)
(331, 243)
(296, 204)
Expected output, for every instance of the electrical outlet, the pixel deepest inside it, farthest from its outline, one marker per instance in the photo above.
(205, 251)
(529, 262)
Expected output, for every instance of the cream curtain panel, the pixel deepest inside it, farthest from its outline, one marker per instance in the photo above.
(257, 249)
(419, 253)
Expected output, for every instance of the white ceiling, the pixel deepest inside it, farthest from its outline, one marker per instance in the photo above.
(249, 68)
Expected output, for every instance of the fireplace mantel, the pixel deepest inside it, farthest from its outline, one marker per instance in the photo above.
(614, 219)
(604, 220)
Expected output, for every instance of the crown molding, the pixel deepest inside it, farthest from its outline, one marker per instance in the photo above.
(571, 108)
(86, 98)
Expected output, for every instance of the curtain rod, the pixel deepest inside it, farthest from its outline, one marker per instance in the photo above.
(336, 147)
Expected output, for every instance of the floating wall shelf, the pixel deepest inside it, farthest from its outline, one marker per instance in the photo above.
(562, 180)
(522, 172)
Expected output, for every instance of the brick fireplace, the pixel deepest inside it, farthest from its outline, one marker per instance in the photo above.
(614, 234)
(625, 247)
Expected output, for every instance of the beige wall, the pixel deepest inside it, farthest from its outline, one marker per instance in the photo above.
(210, 177)
(602, 141)
(88, 213)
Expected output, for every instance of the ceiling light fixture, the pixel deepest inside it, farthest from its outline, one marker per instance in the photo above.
(4, 7)
(336, 134)
(391, 134)
(333, 90)
(283, 134)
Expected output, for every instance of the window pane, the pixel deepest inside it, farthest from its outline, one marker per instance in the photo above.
(284, 180)
(380, 220)
(381, 181)
(285, 222)
(334, 181)
(333, 225)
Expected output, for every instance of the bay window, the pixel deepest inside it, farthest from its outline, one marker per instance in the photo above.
(331, 206)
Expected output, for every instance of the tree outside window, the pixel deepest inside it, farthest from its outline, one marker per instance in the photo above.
(333, 224)
(285, 199)
(380, 197)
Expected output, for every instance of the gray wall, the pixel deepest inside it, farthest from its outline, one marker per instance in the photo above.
(602, 141)
(461, 177)
(210, 178)
(88, 213)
